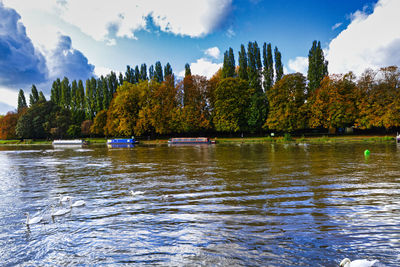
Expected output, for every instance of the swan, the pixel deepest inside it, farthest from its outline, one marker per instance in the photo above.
(64, 198)
(357, 263)
(60, 212)
(33, 220)
(133, 193)
(78, 203)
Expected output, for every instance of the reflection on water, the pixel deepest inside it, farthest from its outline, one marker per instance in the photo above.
(279, 205)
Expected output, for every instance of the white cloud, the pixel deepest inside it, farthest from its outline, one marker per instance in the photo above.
(103, 19)
(203, 67)
(369, 41)
(213, 52)
(337, 25)
(104, 71)
(299, 64)
(8, 100)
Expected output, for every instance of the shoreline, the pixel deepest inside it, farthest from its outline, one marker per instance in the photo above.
(243, 140)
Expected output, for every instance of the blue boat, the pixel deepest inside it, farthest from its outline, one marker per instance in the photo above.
(122, 141)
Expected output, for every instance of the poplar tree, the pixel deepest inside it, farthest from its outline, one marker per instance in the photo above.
(34, 96)
(243, 63)
(268, 71)
(65, 93)
(317, 66)
(278, 65)
(167, 70)
(151, 72)
(254, 66)
(136, 77)
(187, 70)
(80, 96)
(21, 101)
(42, 98)
(143, 72)
(228, 68)
(74, 100)
(55, 96)
(158, 72)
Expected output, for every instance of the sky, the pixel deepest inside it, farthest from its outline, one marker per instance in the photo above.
(42, 40)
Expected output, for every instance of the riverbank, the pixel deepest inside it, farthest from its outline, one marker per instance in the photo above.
(281, 139)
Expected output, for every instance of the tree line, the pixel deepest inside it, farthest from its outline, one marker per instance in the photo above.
(253, 96)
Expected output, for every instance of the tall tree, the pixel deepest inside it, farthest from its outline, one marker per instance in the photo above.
(317, 66)
(65, 93)
(187, 70)
(34, 96)
(167, 70)
(151, 72)
(55, 96)
(278, 65)
(136, 77)
(243, 63)
(268, 67)
(21, 101)
(42, 98)
(143, 72)
(228, 67)
(254, 66)
(158, 72)
(129, 74)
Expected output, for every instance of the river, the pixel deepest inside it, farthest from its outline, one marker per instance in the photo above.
(218, 205)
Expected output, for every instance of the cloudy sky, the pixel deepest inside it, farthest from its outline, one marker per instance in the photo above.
(44, 39)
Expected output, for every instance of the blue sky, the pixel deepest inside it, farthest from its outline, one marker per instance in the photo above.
(45, 39)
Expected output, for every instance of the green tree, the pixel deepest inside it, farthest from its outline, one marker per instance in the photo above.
(21, 101)
(65, 93)
(136, 74)
(34, 96)
(143, 72)
(228, 68)
(232, 99)
(151, 72)
(187, 70)
(243, 63)
(317, 66)
(167, 70)
(254, 66)
(268, 71)
(42, 97)
(158, 72)
(55, 96)
(278, 65)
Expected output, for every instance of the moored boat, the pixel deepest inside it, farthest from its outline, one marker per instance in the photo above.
(122, 141)
(190, 140)
(398, 138)
(77, 142)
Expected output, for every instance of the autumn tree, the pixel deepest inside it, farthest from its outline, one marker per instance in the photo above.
(379, 98)
(317, 66)
(333, 104)
(231, 103)
(123, 111)
(8, 124)
(287, 100)
(99, 123)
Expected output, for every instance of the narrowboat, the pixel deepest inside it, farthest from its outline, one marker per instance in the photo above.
(190, 140)
(74, 142)
(122, 141)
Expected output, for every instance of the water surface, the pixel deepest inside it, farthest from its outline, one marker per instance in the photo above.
(259, 204)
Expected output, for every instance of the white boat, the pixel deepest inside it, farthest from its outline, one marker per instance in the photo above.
(77, 142)
(398, 138)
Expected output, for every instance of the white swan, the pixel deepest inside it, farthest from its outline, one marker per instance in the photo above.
(64, 198)
(33, 220)
(60, 212)
(357, 263)
(78, 203)
(133, 193)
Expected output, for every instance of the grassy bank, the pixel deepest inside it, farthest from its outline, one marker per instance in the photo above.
(246, 140)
